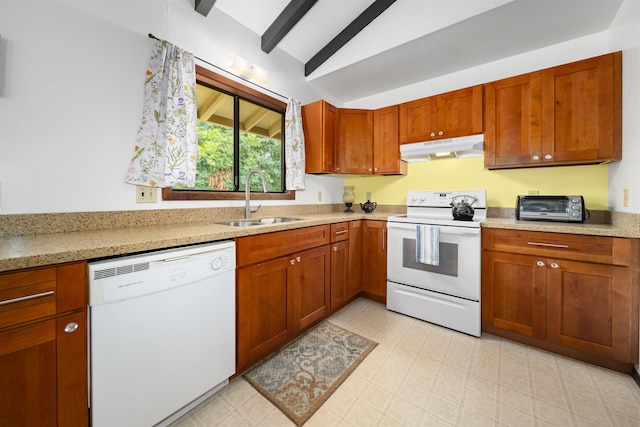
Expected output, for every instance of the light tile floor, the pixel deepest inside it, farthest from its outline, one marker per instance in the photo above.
(425, 375)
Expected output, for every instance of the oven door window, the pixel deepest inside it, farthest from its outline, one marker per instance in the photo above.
(448, 262)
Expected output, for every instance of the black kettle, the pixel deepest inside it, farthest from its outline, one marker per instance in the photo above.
(462, 210)
(369, 206)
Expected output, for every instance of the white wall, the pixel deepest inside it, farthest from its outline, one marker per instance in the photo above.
(71, 80)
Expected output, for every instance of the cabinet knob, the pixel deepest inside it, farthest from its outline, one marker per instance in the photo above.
(298, 258)
(375, 169)
(292, 261)
(540, 264)
(433, 134)
(554, 265)
(548, 156)
(536, 157)
(71, 327)
(440, 133)
(335, 248)
(369, 169)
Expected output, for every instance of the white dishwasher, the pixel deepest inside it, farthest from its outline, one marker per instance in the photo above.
(161, 333)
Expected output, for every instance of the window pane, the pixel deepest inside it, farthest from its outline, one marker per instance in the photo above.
(260, 146)
(215, 139)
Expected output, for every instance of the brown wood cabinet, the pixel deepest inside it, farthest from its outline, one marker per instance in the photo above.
(340, 270)
(355, 141)
(565, 115)
(386, 142)
(320, 124)
(283, 287)
(374, 251)
(575, 295)
(448, 115)
(355, 258)
(43, 347)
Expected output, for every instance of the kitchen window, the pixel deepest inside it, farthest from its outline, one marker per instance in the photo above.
(239, 129)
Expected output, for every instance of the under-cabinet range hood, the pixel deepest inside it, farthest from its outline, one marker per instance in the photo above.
(463, 147)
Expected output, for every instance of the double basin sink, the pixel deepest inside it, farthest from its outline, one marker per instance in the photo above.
(262, 221)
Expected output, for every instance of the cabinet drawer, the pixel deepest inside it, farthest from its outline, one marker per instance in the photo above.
(605, 250)
(339, 232)
(36, 293)
(262, 247)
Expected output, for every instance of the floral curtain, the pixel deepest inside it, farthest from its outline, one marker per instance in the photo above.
(166, 150)
(294, 147)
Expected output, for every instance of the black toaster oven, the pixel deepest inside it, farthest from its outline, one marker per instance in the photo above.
(551, 208)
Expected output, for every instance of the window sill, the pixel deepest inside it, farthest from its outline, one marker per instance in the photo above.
(171, 194)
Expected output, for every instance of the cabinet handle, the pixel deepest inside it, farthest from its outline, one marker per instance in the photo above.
(551, 245)
(548, 156)
(71, 327)
(554, 265)
(26, 298)
(291, 261)
(342, 232)
(536, 157)
(540, 264)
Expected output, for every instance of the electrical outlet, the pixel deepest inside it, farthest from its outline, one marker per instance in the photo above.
(625, 197)
(319, 196)
(146, 194)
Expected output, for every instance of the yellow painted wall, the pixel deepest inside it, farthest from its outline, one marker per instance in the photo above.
(502, 185)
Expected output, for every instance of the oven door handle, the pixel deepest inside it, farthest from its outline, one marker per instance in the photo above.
(444, 229)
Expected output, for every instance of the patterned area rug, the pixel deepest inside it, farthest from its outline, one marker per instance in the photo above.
(300, 377)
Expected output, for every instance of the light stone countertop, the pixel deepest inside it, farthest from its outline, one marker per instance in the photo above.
(33, 250)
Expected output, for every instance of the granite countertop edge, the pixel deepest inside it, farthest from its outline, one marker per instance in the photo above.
(26, 251)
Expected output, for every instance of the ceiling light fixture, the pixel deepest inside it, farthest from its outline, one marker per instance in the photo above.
(247, 70)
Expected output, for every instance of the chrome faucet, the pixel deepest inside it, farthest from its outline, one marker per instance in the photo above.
(247, 192)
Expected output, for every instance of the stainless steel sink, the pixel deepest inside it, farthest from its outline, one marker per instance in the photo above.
(277, 219)
(263, 221)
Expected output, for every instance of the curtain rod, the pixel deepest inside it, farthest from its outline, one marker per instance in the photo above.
(151, 36)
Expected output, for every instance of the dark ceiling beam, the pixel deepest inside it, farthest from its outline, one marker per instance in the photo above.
(203, 7)
(357, 25)
(287, 19)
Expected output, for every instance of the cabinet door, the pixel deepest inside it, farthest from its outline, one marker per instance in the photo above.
(374, 253)
(386, 142)
(418, 120)
(28, 376)
(339, 274)
(355, 258)
(262, 311)
(311, 291)
(512, 121)
(590, 308)
(514, 293)
(459, 113)
(582, 111)
(71, 350)
(319, 120)
(355, 141)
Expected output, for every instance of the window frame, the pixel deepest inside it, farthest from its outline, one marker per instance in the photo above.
(218, 81)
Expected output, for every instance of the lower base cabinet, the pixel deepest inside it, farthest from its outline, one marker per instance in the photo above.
(43, 356)
(277, 299)
(374, 251)
(574, 295)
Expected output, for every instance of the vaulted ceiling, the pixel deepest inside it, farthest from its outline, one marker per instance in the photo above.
(356, 48)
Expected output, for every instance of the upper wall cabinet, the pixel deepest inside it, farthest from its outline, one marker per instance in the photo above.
(386, 142)
(355, 141)
(565, 115)
(319, 121)
(449, 115)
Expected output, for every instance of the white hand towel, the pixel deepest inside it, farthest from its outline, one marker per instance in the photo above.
(428, 244)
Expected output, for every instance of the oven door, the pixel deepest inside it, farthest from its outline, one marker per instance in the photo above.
(458, 272)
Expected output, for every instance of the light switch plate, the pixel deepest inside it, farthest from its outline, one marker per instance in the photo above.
(146, 194)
